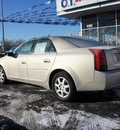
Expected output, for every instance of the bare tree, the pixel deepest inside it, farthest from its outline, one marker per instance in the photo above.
(10, 43)
(18, 42)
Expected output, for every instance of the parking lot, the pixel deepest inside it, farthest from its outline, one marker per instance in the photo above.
(24, 106)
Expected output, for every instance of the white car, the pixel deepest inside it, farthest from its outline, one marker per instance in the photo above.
(65, 64)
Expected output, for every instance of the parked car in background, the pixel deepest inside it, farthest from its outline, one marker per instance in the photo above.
(6, 52)
(65, 64)
(12, 49)
(2, 54)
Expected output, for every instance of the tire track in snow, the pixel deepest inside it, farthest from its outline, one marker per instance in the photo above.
(51, 114)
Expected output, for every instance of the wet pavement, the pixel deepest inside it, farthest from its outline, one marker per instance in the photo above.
(24, 106)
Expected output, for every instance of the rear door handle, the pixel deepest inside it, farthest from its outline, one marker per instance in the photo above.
(46, 60)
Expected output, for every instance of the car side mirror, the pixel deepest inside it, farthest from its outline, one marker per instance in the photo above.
(13, 54)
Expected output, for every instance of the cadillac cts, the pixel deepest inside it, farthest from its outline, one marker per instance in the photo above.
(65, 64)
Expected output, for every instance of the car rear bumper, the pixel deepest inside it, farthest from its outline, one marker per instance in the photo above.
(102, 81)
(112, 79)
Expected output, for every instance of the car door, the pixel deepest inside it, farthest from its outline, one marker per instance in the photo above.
(17, 68)
(41, 61)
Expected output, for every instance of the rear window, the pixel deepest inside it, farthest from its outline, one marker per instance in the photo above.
(82, 42)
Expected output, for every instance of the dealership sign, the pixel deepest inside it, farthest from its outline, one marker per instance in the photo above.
(69, 4)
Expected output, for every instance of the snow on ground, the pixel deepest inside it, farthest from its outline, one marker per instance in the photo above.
(14, 105)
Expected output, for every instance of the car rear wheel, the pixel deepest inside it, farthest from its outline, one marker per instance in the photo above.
(63, 86)
(3, 78)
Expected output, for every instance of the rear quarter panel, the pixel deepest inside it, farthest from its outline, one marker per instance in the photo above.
(79, 64)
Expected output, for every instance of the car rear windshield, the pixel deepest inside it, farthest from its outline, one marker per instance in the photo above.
(82, 42)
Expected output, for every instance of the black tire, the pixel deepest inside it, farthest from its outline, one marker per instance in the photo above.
(3, 78)
(63, 86)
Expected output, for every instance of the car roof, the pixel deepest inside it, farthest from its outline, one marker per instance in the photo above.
(61, 44)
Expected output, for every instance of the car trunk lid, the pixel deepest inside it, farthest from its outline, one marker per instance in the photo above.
(113, 58)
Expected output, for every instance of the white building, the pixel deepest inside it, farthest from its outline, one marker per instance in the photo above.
(100, 19)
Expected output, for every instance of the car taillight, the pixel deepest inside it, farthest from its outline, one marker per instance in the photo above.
(100, 59)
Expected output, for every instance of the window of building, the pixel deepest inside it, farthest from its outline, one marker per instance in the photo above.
(108, 36)
(118, 36)
(89, 21)
(91, 34)
(106, 19)
(118, 17)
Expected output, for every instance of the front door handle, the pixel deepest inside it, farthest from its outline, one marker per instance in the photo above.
(46, 60)
(23, 62)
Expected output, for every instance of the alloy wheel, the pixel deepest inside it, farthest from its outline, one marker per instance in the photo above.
(62, 87)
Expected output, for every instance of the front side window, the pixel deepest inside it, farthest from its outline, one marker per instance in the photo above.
(43, 46)
(25, 49)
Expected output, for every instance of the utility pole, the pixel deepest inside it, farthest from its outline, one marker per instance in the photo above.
(3, 39)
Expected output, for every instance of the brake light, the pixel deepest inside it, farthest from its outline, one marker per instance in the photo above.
(100, 60)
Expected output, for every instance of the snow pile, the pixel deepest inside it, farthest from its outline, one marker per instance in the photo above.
(48, 117)
(72, 119)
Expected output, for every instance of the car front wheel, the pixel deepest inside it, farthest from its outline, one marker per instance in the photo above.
(3, 78)
(63, 86)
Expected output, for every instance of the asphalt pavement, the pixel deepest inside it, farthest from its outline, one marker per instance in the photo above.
(24, 106)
